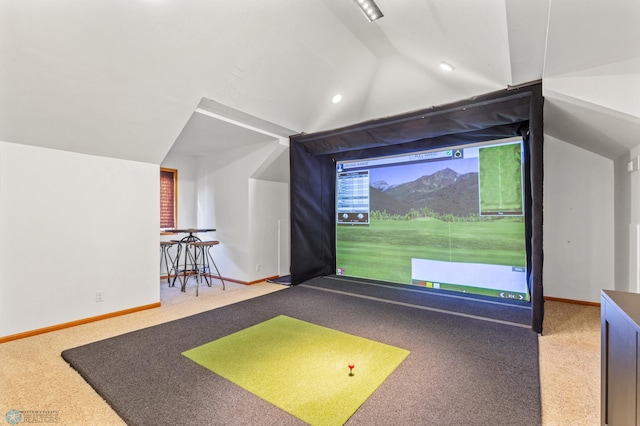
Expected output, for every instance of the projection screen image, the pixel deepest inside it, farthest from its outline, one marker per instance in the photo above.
(449, 219)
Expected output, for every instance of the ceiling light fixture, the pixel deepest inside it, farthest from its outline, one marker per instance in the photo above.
(446, 67)
(336, 98)
(370, 9)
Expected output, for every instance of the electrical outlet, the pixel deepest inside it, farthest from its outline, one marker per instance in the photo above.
(257, 267)
(99, 296)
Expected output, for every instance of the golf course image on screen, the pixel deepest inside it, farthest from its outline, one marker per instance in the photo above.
(501, 180)
(449, 219)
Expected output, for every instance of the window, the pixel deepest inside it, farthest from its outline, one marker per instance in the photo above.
(168, 198)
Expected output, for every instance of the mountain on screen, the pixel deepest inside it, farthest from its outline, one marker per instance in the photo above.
(381, 185)
(444, 192)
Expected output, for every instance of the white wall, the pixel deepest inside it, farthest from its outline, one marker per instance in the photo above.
(624, 229)
(268, 216)
(71, 225)
(578, 222)
(627, 195)
(245, 211)
(224, 205)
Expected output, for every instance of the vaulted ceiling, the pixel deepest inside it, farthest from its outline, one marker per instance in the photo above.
(123, 78)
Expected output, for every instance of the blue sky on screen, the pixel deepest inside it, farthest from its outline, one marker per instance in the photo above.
(404, 173)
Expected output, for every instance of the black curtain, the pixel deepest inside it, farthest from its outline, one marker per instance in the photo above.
(536, 173)
(502, 114)
(312, 215)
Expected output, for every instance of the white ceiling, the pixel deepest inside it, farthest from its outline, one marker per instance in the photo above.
(199, 132)
(122, 78)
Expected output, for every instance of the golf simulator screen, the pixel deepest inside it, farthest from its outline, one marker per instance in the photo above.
(447, 219)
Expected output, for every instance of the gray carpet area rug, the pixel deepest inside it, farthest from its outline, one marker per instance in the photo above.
(462, 369)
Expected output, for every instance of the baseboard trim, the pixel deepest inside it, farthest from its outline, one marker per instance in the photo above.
(77, 322)
(575, 302)
(233, 280)
(244, 282)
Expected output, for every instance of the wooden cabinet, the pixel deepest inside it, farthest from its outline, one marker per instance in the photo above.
(620, 318)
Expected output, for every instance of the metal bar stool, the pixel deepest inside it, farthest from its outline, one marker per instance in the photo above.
(202, 261)
(165, 254)
(179, 271)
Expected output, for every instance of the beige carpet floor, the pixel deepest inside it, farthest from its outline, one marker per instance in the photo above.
(35, 378)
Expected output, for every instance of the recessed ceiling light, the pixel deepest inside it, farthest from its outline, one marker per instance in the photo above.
(446, 67)
(336, 98)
